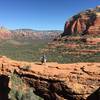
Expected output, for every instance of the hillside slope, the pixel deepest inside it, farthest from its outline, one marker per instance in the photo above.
(80, 41)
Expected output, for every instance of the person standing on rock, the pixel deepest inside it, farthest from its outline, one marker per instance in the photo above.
(43, 59)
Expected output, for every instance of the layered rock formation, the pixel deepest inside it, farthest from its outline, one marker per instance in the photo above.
(34, 34)
(53, 81)
(87, 22)
(95, 28)
(24, 34)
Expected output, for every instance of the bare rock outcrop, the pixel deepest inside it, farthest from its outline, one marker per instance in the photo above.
(53, 81)
(87, 22)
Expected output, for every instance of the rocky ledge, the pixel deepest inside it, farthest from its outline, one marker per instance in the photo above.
(53, 81)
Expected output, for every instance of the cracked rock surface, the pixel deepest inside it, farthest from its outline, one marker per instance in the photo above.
(76, 81)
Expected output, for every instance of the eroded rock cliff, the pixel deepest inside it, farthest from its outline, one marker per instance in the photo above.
(87, 22)
(53, 81)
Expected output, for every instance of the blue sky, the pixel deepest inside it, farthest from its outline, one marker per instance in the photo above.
(41, 14)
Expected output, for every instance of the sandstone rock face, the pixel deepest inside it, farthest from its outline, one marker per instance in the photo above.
(95, 28)
(53, 81)
(87, 22)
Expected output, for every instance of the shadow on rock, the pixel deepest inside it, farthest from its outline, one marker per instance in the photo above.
(4, 89)
(95, 95)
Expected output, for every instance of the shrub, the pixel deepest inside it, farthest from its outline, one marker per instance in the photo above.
(18, 92)
(18, 95)
(30, 95)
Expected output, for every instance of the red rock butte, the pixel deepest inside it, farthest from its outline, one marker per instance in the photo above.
(86, 22)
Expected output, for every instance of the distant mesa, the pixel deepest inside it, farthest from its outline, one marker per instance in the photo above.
(25, 34)
(35, 34)
(85, 22)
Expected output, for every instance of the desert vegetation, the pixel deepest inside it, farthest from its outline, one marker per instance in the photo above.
(67, 50)
(74, 49)
(24, 51)
(19, 91)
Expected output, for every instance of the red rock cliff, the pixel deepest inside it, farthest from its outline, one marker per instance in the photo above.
(53, 81)
(87, 22)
